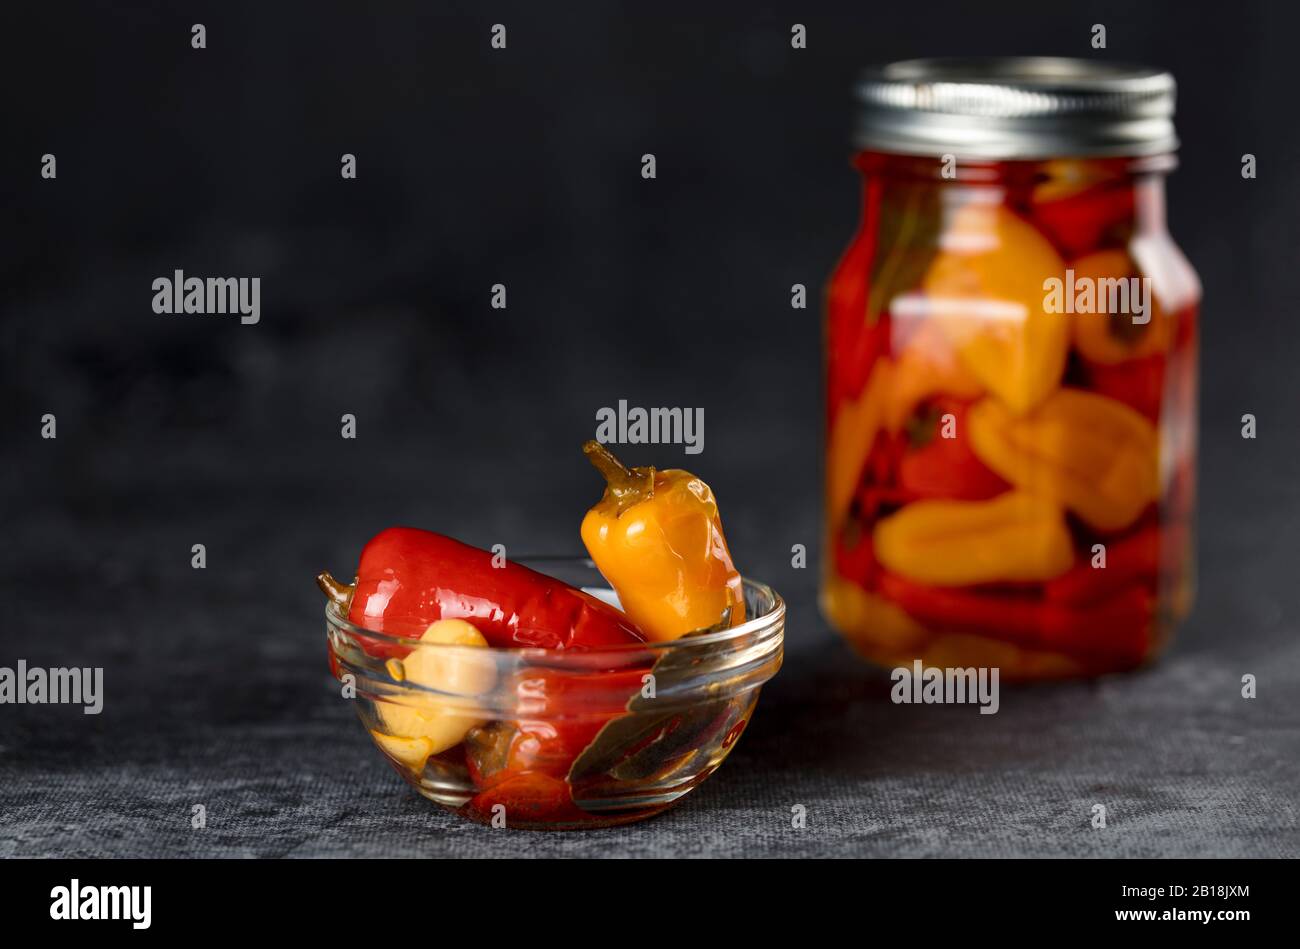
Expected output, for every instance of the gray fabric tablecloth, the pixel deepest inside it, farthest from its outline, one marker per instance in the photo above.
(217, 694)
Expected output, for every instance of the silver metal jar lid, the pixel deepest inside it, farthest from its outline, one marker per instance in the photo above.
(1015, 107)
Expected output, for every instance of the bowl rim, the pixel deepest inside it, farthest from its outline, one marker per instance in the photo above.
(769, 623)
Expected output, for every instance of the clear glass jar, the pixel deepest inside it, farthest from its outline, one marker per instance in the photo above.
(1011, 374)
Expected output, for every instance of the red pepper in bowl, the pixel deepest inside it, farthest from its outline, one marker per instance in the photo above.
(408, 578)
(560, 715)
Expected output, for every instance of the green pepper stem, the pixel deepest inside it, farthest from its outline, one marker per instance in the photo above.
(340, 593)
(626, 485)
(615, 472)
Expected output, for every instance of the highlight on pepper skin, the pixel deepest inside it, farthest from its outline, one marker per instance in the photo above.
(500, 690)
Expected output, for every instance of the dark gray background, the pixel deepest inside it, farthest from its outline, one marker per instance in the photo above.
(522, 167)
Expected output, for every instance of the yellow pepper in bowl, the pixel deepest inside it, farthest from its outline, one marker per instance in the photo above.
(420, 725)
(657, 538)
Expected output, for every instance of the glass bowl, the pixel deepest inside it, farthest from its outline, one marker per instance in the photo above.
(548, 739)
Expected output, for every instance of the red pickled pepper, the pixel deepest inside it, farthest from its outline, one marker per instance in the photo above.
(935, 466)
(1095, 216)
(1114, 630)
(1138, 383)
(856, 340)
(528, 796)
(560, 712)
(524, 764)
(408, 578)
(1133, 557)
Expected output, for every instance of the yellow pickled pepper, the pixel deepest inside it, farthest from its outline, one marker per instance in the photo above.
(1015, 537)
(1089, 453)
(657, 538)
(985, 287)
(1112, 338)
